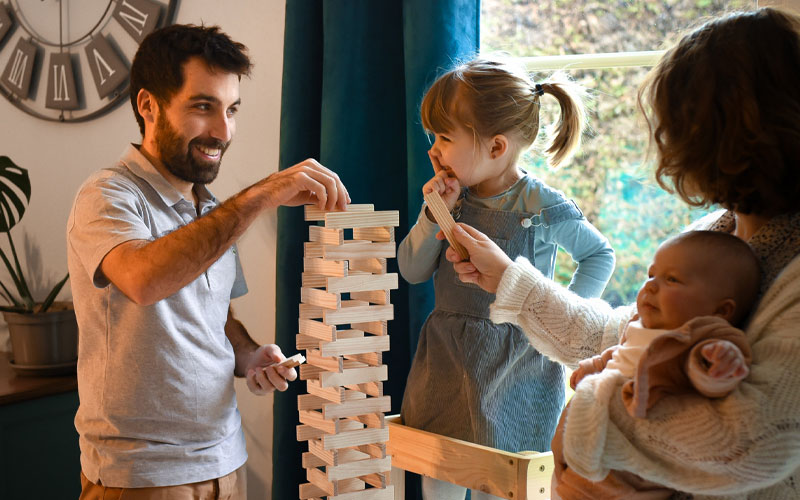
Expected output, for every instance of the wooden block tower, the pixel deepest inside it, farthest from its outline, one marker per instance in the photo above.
(343, 328)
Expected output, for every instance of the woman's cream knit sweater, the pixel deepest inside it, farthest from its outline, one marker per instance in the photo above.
(746, 445)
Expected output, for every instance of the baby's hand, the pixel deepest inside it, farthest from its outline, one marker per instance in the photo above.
(724, 360)
(444, 183)
(590, 366)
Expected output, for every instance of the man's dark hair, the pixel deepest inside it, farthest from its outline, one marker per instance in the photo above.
(158, 64)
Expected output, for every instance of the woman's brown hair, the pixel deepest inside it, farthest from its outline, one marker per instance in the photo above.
(725, 113)
(493, 97)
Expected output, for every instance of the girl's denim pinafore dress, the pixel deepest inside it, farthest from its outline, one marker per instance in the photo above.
(475, 380)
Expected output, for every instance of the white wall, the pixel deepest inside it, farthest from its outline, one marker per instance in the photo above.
(60, 156)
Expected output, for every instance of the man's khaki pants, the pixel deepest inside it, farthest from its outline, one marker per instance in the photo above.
(230, 487)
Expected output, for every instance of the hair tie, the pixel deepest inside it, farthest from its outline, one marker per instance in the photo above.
(538, 90)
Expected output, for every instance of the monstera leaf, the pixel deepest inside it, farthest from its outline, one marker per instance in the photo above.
(14, 182)
(14, 186)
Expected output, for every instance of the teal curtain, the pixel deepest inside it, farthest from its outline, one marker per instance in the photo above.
(354, 73)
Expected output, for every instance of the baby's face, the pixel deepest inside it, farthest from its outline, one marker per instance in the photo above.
(678, 288)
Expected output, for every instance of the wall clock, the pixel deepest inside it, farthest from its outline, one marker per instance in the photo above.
(68, 60)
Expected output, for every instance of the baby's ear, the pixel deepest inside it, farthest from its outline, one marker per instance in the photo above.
(726, 310)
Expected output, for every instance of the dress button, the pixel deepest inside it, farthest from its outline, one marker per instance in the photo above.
(526, 223)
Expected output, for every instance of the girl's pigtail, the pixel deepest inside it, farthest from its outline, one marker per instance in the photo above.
(565, 135)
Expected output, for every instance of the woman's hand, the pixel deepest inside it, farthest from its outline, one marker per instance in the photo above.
(444, 183)
(487, 262)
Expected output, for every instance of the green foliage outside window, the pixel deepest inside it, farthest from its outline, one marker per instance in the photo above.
(611, 178)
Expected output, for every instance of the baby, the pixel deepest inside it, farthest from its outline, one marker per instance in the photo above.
(699, 284)
(697, 273)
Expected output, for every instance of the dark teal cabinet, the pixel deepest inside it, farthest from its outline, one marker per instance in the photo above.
(39, 455)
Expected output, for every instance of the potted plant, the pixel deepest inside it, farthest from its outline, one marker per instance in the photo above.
(43, 334)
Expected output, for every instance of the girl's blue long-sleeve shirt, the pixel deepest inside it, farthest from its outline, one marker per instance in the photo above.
(418, 253)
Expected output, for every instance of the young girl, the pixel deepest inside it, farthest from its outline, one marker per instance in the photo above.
(471, 379)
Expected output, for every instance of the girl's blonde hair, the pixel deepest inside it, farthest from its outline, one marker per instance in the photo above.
(493, 97)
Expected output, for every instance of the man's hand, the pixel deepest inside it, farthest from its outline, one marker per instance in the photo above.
(264, 375)
(487, 262)
(308, 182)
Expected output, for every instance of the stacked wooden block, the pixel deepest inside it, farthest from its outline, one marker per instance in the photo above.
(343, 328)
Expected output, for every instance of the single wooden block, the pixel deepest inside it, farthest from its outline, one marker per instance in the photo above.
(373, 327)
(356, 407)
(306, 432)
(372, 266)
(368, 358)
(312, 402)
(378, 479)
(312, 213)
(325, 235)
(305, 342)
(327, 363)
(373, 233)
(376, 450)
(307, 311)
(370, 494)
(313, 280)
(332, 394)
(315, 420)
(362, 283)
(358, 468)
(319, 479)
(349, 334)
(359, 314)
(317, 329)
(343, 346)
(371, 420)
(355, 438)
(380, 297)
(309, 491)
(445, 221)
(321, 298)
(341, 220)
(374, 389)
(310, 460)
(354, 376)
(354, 303)
(312, 250)
(335, 457)
(310, 372)
(325, 267)
(292, 361)
(351, 250)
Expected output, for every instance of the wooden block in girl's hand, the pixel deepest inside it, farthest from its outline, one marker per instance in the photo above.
(445, 221)
(292, 361)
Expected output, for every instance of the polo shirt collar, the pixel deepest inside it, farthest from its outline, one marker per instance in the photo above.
(140, 166)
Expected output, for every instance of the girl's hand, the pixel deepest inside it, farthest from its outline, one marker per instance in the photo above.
(725, 360)
(444, 183)
(487, 262)
(263, 373)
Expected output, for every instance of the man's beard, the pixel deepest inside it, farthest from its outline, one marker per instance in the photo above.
(182, 163)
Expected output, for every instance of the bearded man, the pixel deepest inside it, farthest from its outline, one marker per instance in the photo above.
(153, 262)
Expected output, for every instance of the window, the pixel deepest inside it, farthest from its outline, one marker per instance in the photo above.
(607, 46)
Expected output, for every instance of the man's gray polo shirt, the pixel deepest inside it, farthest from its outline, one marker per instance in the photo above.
(157, 403)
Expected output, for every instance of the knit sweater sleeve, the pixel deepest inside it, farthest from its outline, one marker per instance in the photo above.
(560, 324)
(745, 442)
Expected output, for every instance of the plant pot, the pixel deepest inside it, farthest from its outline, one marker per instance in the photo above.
(41, 339)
